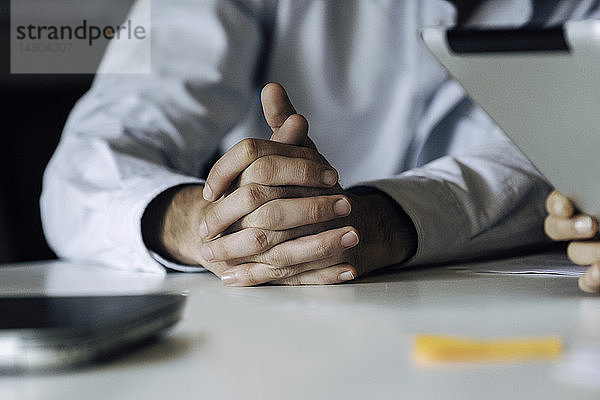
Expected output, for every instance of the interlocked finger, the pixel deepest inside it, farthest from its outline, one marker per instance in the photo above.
(309, 248)
(282, 214)
(252, 274)
(242, 155)
(243, 201)
(275, 170)
(326, 276)
(245, 245)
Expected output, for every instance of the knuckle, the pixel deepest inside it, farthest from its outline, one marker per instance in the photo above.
(259, 240)
(270, 215)
(279, 273)
(300, 170)
(210, 218)
(323, 249)
(277, 237)
(324, 278)
(254, 196)
(278, 257)
(315, 211)
(306, 172)
(311, 154)
(214, 218)
(250, 277)
(292, 281)
(250, 148)
(263, 170)
(217, 252)
(217, 174)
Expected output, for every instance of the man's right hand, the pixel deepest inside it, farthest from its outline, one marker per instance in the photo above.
(181, 240)
(273, 218)
(275, 191)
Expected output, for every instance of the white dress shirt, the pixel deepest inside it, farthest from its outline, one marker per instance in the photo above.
(381, 110)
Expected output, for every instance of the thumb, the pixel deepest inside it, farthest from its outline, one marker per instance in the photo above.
(287, 126)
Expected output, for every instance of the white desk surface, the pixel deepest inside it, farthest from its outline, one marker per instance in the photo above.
(350, 341)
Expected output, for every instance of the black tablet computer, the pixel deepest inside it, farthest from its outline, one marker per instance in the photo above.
(49, 333)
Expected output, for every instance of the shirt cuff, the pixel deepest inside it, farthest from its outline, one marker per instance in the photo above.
(439, 219)
(126, 213)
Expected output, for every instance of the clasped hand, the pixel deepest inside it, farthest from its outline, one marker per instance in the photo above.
(273, 211)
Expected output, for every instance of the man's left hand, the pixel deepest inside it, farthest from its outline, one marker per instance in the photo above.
(309, 239)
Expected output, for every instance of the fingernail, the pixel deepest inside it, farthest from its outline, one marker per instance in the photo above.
(229, 279)
(583, 224)
(207, 193)
(342, 207)
(203, 229)
(557, 207)
(349, 239)
(207, 253)
(329, 177)
(346, 276)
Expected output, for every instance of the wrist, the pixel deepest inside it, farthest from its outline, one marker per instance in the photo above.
(169, 220)
(387, 234)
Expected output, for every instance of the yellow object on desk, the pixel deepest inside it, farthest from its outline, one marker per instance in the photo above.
(429, 349)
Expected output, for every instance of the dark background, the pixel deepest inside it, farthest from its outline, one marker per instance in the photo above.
(34, 110)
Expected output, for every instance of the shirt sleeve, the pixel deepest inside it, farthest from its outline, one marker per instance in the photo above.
(482, 197)
(132, 136)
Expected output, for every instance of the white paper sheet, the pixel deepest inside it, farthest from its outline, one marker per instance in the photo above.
(555, 263)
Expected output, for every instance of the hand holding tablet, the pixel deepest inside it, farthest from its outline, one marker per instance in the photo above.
(542, 87)
(563, 224)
